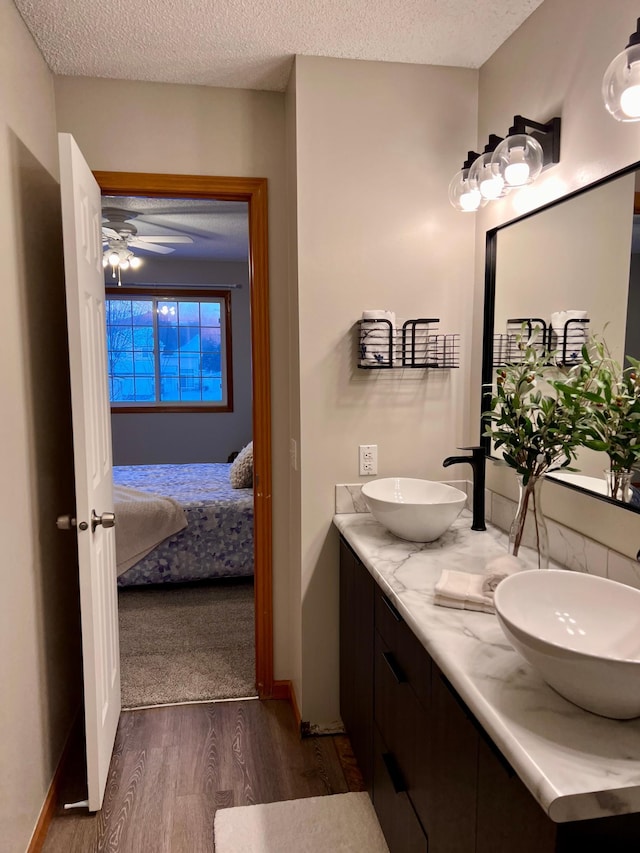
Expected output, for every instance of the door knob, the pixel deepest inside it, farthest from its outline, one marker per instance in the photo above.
(107, 519)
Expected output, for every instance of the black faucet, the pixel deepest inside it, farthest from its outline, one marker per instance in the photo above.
(477, 460)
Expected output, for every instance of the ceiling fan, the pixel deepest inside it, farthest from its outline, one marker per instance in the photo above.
(119, 232)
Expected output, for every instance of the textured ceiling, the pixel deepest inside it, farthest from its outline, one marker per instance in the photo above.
(219, 229)
(250, 43)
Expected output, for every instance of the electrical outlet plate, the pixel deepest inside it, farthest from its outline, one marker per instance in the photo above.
(368, 457)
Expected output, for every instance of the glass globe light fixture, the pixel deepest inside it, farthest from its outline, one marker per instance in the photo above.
(621, 82)
(114, 259)
(124, 265)
(486, 178)
(462, 195)
(518, 160)
(135, 262)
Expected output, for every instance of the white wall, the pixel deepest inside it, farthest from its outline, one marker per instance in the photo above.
(152, 438)
(375, 149)
(39, 616)
(206, 131)
(553, 65)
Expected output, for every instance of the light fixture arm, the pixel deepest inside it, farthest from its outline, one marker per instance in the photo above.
(547, 134)
(634, 38)
(493, 143)
(472, 156)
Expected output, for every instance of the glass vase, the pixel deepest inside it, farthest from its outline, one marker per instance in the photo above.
(618, 485)
(528, 531)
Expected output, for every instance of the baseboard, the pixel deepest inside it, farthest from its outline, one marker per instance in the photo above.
(285, 690)
(51, 800)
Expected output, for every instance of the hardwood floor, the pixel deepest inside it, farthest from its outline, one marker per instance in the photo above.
(173, 767)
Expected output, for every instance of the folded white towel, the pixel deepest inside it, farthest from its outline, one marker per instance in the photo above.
(379, 314)
(377, 339)
(466, 591)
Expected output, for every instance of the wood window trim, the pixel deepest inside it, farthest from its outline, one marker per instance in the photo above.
(180, 293)
(254, 192)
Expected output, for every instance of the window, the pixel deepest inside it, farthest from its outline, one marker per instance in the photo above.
(169, 351)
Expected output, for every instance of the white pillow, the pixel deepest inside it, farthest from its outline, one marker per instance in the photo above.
(241, 471)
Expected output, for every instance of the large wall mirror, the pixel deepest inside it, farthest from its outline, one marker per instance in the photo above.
(580, 253)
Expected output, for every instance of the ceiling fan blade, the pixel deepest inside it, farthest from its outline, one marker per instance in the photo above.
(160, 239)
(110, 232)
(151, 247)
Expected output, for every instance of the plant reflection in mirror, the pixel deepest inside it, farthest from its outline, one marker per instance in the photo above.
(611, 395)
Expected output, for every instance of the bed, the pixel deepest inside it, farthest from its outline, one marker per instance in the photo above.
(218, 539)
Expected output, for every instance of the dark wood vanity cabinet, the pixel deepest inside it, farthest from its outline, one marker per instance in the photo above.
(357, 589)
(438, 782)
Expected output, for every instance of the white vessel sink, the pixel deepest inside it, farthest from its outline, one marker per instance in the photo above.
(581, 632)
(417, 510)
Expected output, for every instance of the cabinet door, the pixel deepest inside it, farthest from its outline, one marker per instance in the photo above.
(356, 659)
(401, 827)
(454, 765)
(508, 816)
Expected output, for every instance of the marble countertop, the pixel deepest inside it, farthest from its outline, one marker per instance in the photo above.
(577, 765)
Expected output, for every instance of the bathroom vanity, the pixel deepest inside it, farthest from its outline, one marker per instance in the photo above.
(463, 747)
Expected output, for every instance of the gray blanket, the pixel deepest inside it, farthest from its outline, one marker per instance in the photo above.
(143, 521)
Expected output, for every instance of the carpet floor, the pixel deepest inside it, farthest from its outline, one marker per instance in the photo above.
(340, 823)
(187, 643)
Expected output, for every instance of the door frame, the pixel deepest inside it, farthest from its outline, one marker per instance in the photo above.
(254, 192)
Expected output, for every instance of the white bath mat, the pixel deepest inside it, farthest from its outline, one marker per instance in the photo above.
(340, 823)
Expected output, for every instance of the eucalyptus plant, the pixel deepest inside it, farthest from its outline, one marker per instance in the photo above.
(537, 422)
(536, 419)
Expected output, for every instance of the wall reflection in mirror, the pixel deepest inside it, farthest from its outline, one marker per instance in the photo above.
(572, 269)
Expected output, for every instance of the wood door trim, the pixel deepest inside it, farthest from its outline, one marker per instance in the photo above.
(254, 192)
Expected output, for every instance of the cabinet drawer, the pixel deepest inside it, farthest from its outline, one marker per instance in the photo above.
(407, 650)
(400, 825)
(402, 721)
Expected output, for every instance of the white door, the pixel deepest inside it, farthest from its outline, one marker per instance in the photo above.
(81, 222)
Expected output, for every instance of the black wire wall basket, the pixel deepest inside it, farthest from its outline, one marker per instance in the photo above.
(562, 346)
(414, 344)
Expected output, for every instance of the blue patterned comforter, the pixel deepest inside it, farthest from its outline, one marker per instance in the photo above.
(218, 540)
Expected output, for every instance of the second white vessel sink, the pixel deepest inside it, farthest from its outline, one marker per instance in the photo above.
(417, 510)
(581, 632)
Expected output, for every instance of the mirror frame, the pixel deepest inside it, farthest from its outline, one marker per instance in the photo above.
(491, 250)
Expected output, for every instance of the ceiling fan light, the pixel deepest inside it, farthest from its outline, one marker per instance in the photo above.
(518, 160)
(621, 82)
(135, 262)
(114, 259)
(105, 260)
(124, 265)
